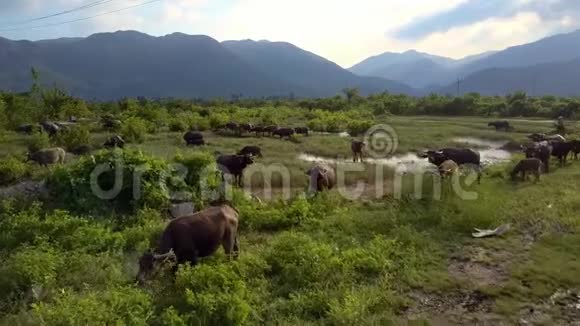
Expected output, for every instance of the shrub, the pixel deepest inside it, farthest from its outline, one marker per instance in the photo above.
(201, 174)
(73, 137)
(134, 129)
(213, 295)
(178, 125)
(135, 180)
(38, 141)
(118, 306)
(357, 127)
(217, 120)
(12, 170)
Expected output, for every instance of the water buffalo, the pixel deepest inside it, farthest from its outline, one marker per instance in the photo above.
(575, 148)
(448, 169)
(232, 127)
(321, 177)
(561, 151)
(460, 156)
(500, 125)
(28, 129)
(188, 238)
(541, 151)
(251, 150)
(245, 127)
(193, 138)
(283, 132)
(357, 148)
(536, 137)
(270, 129)
(302, 131)
(115, 141)
(81, 150)
(234, 165)
(532, 165)
(259, 130)
(50, 128)
(48, 156)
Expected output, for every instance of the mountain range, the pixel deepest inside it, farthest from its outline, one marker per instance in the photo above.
(535, 67)
(108, 66)
(129, 64)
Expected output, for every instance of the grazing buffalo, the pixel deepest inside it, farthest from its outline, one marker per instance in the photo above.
(110, 123)
(448, 169)
(259, 130)
(575, 148)
(50, 128)
(28, 129)
(251, 150)
(541, 151)
(234, 165)
(561, 151)
(115, 141)
(181, 210)
(283, 132)
(188, 238)
(535, 137)
(270, 130)
(48, 156)
(82, 150)
(357, 148)
(532, 165)
(232, 127)
(246, 127)
(302, 131)
(321, 177)
(460, 156)
(193, 138)
(500, 125)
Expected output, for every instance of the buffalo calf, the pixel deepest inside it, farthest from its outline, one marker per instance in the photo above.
(529, 165)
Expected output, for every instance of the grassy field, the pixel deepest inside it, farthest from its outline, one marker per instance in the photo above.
(340, 262)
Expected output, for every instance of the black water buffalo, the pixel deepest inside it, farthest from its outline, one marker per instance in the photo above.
(532, 165)
(461, 156)
(193, 138)
(232, 127)
(259, 130)
(246, 127)
(357, 148)
(270, 129)
(115, 141)
(500, 125)
(283, 132)
(575, 148)
(234, 165)
(541, 151)
(187, 238)
(561, 151)
(50, 128)
(251, 150)
(28, 129)
(302, 131)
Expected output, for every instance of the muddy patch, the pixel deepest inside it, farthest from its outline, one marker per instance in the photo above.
(480, 267)
(25, 190)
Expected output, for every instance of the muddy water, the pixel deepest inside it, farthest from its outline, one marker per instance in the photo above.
(490, 151)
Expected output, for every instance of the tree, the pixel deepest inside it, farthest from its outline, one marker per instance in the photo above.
(351, 93)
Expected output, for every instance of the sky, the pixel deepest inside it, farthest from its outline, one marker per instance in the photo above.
(343, 31)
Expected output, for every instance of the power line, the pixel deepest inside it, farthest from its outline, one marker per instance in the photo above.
(83, 7)
(80, 19)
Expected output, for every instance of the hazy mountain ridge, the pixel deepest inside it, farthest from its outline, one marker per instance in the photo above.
(129, 63)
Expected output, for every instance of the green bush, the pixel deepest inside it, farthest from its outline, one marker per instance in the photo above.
(12, 170)
(134, 129)
(117, 306)
(178, 125)
(73, 137)
(38, 141)
(357, 127)
(139, 180)
(200, 173)
(213, 295)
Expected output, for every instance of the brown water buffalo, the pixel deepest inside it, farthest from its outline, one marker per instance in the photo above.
(321, 177)
(283, 132)
(115, 141)
(448, 169)
(188, 238)
(357, 148)
(532, 165)
(234, 165)
(193, 138)
(48, 156)
(251, 150)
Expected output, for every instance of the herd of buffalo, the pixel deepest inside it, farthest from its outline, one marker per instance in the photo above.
(187, 238)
